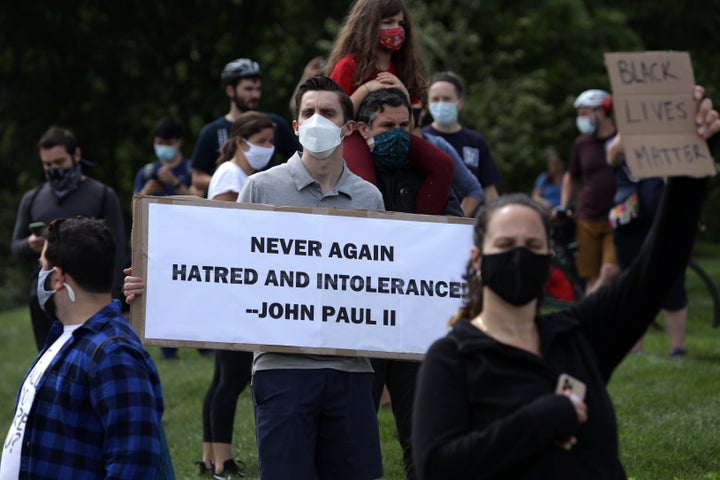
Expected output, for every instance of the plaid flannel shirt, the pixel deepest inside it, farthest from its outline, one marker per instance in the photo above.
(99, 418)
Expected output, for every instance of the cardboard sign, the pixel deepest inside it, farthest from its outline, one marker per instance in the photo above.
(293, 279)
(655, 113)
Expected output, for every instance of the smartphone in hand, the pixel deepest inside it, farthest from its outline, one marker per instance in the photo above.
(37, 228)
(568, 382)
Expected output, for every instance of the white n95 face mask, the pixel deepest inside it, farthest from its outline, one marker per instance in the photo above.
(258, 157)
(319, 136)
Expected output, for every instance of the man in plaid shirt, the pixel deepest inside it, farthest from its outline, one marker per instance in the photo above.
(91, 403)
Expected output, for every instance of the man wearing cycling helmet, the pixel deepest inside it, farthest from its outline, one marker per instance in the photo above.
(241, 80)
(596, 260)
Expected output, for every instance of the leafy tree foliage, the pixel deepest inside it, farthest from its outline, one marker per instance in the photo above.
(109, 70)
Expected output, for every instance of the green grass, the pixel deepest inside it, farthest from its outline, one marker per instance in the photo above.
(668, 410)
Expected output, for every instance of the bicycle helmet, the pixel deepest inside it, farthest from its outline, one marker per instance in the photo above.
(594, 98)
(240, 68)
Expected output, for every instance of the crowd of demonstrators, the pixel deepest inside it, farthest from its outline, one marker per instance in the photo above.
(636, 203)
(66, 192)
(490, 402)
(248, 149)
(91, 404)
(242, 82)
(327, 160)
(384, 121)
(445, 100)
(596, 259)
(375, 49)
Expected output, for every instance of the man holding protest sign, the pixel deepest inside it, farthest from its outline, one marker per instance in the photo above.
(314, 414)
(291, 392)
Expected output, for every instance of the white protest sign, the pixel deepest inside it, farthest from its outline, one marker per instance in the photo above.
(655, 113)
(267, 278)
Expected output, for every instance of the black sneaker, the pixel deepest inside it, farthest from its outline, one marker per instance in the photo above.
(678, 352)
(203, 471)
(230, 471)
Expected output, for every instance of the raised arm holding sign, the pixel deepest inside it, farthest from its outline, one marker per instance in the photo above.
(655, 112)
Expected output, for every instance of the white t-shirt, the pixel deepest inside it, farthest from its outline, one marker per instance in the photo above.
(12, 448)
(227, 178)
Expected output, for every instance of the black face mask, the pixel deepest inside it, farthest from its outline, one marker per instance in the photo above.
(517, 276)
(64, 181)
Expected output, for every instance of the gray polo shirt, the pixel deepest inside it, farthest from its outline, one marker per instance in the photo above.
(291, 184)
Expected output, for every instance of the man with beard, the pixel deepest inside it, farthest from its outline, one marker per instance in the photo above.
(66, 193)
(241, 79)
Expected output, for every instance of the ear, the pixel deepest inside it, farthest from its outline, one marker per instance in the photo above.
(348, 128)
(58, 279)
(475, 257)
(295, 128)
(242, 144)
(460, 103)
(229, 91)
(77, 155)
(364, 129)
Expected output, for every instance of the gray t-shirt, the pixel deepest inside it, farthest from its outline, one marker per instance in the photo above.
(290, 184)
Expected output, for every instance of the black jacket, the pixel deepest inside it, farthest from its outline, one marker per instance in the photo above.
(400, 186)
(486, 410)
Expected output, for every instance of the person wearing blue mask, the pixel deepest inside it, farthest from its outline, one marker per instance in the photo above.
(170, 174)
(66, 192)
(445, 100)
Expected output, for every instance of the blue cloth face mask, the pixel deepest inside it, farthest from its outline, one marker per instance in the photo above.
(390, 148)
(165, 153)
(43, 294)
(444, 113)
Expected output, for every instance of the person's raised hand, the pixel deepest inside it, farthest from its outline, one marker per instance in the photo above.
(706, 117)
(388, 80)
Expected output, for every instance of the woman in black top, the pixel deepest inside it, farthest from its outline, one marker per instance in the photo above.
(486, 404)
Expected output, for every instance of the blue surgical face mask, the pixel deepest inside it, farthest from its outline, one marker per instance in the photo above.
(43, 294)
(585, 125)
(390, 148)
(444, 113)
(165, 153)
